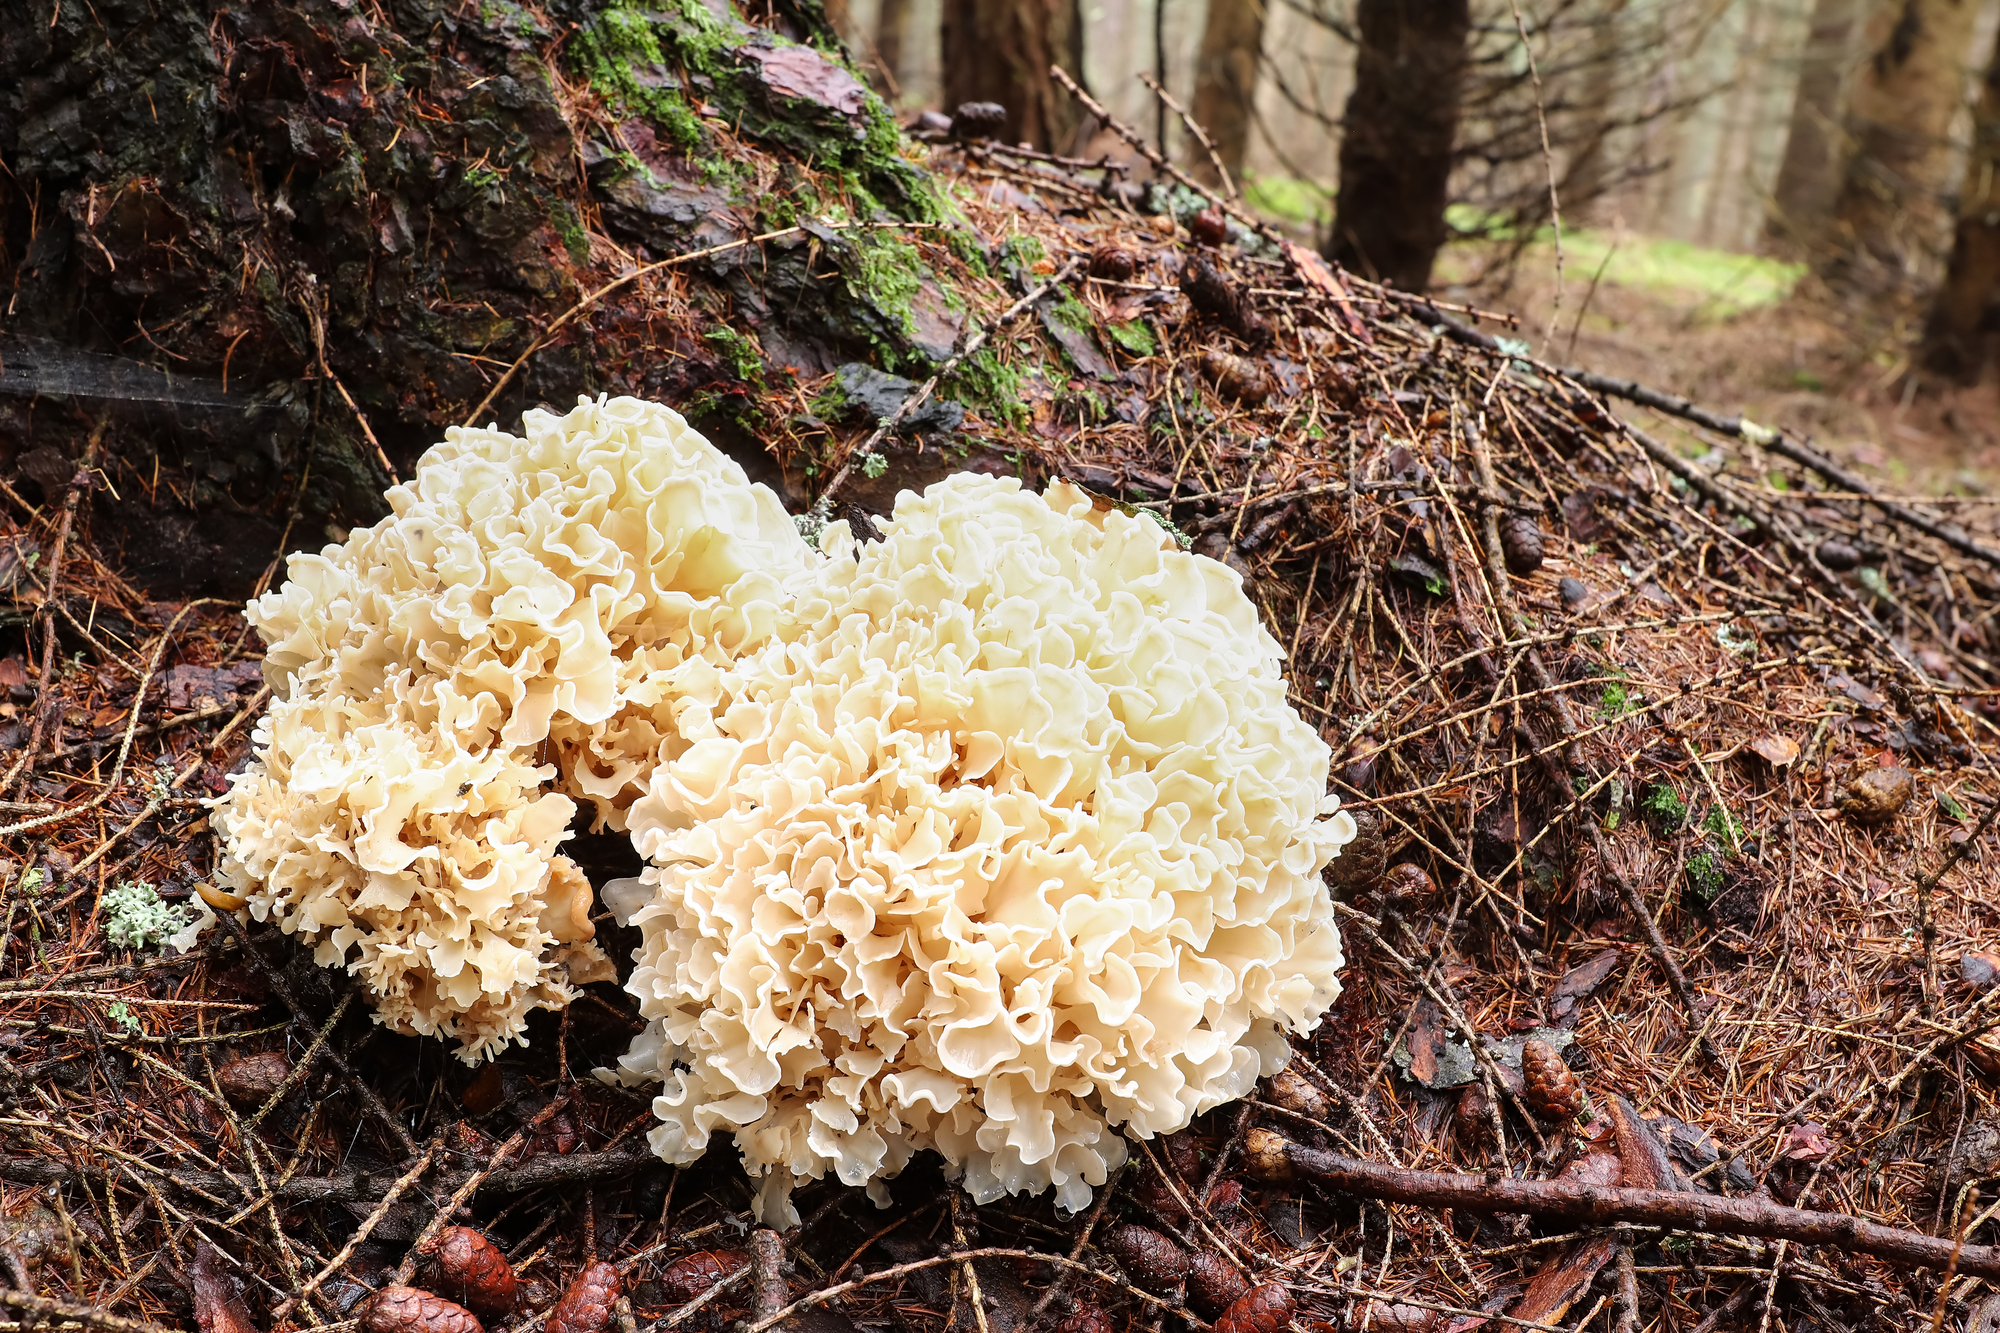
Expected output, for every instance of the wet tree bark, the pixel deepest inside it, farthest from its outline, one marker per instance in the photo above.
(1395, 154)
(1001, 50)
(1958, 340)
(281, 246)
(1225, 84)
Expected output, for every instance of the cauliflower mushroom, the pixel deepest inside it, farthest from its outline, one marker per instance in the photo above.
(1005, 838)
(520, 634)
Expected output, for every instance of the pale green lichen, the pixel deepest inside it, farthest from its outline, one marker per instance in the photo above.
(136, 918)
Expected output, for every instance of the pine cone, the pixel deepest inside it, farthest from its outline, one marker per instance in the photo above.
(1875, 795)
(1114, 262)
(1521, 542)
(1292, 1092)
(1242, 378)
(471, 1271)
(586, 1306)
(1264, 1155)
(1183, 1154)
(407, 1310)
(1362, 862)
(1152, 1192)
(250, 1080)
(1472, 1121)
(1086, 1319)
(1155, 1263)
(1251, 326)
(1214, 297)
(1359, 773)
(1213, 1284)
(1390, 1318)
(1553, 1092)
(692, 1275)
(1407, 884)
(1208, 291)
(1264, 1308)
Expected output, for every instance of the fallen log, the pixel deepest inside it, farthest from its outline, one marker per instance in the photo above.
(1271, 1156)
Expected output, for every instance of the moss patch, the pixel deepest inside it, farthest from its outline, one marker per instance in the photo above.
(1135, 336)
(737, 352)
(887, 273)
(991, 387)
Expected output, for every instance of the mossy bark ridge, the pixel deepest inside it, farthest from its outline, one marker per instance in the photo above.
(220, 222)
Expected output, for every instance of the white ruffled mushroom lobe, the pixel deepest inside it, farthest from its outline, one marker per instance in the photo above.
(1005, 840)
(518, 636)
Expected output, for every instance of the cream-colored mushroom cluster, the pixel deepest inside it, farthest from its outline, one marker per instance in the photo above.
(1006, 838)
(521, 633)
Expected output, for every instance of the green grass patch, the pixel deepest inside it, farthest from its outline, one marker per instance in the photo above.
(1289, 199)
(1728, 283)
(1723, 282)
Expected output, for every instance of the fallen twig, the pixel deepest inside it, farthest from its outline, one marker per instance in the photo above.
(1764, 437)
(562, 321)
(29, 1304)
(1276, 1158)
(823, 507)
(360, 1186)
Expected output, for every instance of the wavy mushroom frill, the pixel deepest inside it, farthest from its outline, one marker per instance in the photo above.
(1008, 837)
(526, 627)
(429, 871)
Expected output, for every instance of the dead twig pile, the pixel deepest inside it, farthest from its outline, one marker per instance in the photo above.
(1672, 745)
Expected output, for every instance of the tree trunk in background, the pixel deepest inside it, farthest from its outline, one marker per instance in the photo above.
(891, 24)
(1584, 180)
(1957, 341)
(1808, 179)
(1001, 50)
(1225, 84)
(1395, 152)
(1890, 217)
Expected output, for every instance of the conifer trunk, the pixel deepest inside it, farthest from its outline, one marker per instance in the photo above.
(1959, 338)
(1225, 84)
(1001, 50)
(1892, 217)
(1809, 173)
(1395, 152)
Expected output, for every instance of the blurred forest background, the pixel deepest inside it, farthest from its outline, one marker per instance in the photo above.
(1784, 207)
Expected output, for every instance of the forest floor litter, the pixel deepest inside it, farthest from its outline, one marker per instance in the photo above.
(1675, 767)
